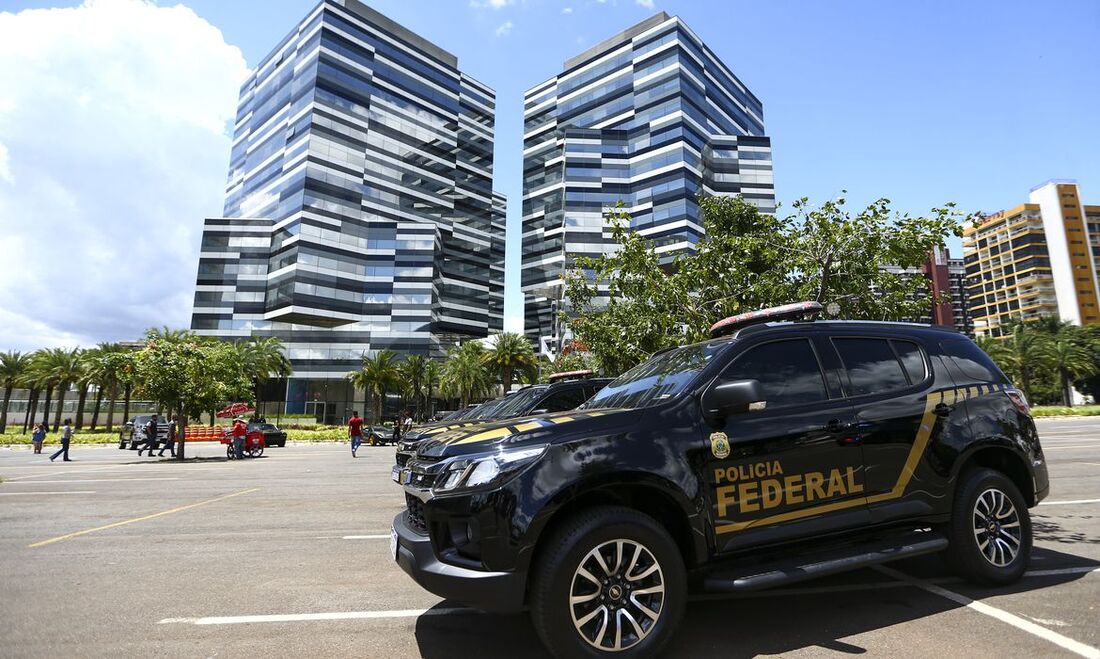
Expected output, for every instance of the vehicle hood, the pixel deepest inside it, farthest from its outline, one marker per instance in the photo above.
(432, 429)
(544, 428)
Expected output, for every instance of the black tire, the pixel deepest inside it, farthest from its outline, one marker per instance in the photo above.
(282, 444)
(557, 576)
(121, 444)
(985, 546)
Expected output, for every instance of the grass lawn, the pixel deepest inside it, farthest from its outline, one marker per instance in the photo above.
(1059, 410)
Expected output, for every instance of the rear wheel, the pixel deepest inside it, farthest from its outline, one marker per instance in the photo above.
(990, 529)
(255, 451)
(610, 582)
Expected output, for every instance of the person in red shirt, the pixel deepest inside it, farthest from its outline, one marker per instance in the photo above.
(240, 431)
(355, 432)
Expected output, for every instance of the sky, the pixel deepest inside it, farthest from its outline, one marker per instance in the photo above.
(115, 120)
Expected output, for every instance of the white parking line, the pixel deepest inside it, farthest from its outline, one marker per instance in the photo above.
(311, 617)
(413, 613)
(1068, 503)
(1004, 616)
(1061, 448)
(102, 480)
(365, 537)
(23, 494)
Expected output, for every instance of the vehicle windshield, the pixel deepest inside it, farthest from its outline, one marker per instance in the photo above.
(519, 403)
(657, 380)
(467, 413)
(487, 409)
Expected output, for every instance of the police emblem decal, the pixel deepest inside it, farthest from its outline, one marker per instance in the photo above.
(719, 445)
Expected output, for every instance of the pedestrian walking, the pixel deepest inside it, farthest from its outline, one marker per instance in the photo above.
(170, 440)
(240, 431)
(397, 423)
(150, 436)
(355, 432)
(38, 436)
(407, 425)
(66, 437)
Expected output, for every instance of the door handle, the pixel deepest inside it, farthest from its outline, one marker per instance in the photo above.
(942, 410)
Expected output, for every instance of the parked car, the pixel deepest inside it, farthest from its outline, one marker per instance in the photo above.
(132, 433)
(566, 392)
(272, 435)
(772, 453)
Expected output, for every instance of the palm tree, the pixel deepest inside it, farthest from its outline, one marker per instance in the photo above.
(464, 374)
(412, 377)
(1024, 352)
(1072, 359)
(262, 358)
(13, 367)
(42, 377)
(512, 351)
(65, 368)
(378, 377)
(433, 372)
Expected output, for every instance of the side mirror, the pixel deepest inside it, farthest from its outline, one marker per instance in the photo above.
(732, 397)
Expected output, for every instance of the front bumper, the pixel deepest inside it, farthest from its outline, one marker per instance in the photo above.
(497, 592)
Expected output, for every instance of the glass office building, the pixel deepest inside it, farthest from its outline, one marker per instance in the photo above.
(359, 212)
(650, 118)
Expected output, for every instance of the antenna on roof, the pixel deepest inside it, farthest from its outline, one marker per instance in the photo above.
(786, 312)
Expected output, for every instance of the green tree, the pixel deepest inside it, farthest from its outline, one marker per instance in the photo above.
(13, 368)
(465, 376)
(1074, 358)
(626, 305)
(377, 377)
(411, 375)
(61, 368)
(433, 373)
(510, 353)
(189, 375)
(1025, 352)
(42, 376)
(262, 359)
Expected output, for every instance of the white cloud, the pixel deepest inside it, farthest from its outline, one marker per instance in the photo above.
(491, 4)
(648, 4)
(504, 29)
(113, 126)
(567, 10)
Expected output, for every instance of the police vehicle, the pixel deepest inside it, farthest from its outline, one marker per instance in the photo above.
(564, 391)
(774, 452)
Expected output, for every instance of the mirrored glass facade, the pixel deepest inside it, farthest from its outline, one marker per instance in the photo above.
(359, 212)
(650, 118)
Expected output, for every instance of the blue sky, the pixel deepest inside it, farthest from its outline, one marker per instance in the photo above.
(919, 102)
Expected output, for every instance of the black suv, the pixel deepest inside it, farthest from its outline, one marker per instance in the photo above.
(564, 392)
(777, 452)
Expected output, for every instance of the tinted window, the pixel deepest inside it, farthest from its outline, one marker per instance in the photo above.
(912, 358)
(788, 371)
(872, 366)
(660, 378)
(972, 361)
(563, 400)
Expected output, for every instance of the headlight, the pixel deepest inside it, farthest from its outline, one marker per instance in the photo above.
(486, 468)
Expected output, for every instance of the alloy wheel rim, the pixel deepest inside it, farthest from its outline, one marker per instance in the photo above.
(997, 527)
(617, 595)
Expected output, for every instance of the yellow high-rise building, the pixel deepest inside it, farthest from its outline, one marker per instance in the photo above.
(1035, 259)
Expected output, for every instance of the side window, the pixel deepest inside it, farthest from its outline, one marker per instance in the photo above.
(972, 361)
(787, 370)
(563, 400)
(872, 366)
(912, 359)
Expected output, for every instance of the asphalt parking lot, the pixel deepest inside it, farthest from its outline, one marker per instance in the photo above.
(288, 555)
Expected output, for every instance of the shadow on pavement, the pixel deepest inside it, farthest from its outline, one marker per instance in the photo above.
(764, 623)
(1046, 529)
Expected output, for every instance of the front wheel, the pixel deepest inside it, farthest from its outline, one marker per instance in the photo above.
(990, 529)
(609, 582)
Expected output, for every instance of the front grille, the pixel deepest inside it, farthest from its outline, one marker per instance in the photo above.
(402, 459)
(416, 514)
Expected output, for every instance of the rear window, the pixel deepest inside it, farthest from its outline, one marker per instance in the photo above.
(912, 359)
(872, 366)
(972, 361)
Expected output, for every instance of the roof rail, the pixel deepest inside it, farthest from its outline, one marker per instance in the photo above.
(785, 312)
(570, 375)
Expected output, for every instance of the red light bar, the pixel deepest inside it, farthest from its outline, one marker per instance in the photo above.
(569, 374)
(785, 312)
